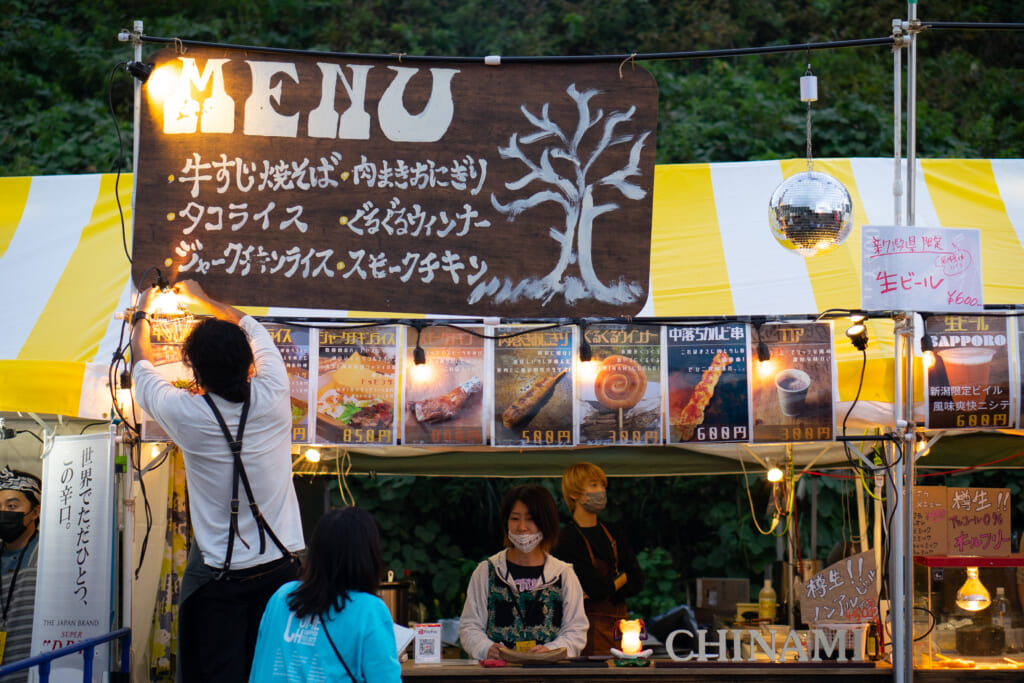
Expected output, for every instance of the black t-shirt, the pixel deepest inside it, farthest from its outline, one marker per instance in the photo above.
(525, 578)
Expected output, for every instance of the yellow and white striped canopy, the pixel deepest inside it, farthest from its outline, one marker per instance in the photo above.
(64, 273)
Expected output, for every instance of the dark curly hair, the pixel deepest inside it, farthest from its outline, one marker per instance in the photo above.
(220, 357)
(344, 555)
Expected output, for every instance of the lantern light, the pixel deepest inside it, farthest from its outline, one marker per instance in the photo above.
(632, 631)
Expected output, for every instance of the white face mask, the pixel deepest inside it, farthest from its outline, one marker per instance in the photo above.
(525, 543)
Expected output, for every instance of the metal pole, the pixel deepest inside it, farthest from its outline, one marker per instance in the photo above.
(911, 110)
(897, 596)
(136, 116)
(907, 450)
(127, 536)
(897, 114)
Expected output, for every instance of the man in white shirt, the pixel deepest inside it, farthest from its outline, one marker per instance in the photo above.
(244, 546)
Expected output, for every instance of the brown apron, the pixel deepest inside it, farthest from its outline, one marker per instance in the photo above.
(603, 614)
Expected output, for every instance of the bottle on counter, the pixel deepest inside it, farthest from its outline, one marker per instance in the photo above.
(1001, 610)
(766, 602)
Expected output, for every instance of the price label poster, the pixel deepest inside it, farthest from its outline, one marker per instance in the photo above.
(356, 385)
(443, 398)
(793, 392)
(533, 386)
(293, 343)
(969, 385)
(619, 390)
(166, 341)
(708, 394)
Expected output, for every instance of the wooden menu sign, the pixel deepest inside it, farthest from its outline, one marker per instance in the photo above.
(318, 181)
(958, 521)
(843, 593)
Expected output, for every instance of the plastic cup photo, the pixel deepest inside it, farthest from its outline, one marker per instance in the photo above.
(792, 387)
(967, 366)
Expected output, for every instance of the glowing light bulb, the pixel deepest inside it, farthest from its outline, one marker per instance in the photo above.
(166, 302)
(928, 359)
(766, 369)
(312, 455)
(973, 596)
(774, 475)
(161, 82)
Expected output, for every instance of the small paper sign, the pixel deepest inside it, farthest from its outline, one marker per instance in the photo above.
(909, 268)
(929, 520)
(843, 593)
(428, 643)
(979, 521)
(959, 521)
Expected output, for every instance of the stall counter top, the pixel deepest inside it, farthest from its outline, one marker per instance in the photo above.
(667, 671)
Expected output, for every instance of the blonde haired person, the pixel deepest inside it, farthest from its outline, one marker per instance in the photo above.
(600, 553)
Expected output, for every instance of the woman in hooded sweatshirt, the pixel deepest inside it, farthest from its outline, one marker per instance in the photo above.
(522, 598)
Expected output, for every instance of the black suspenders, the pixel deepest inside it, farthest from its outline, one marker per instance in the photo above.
(239, 473)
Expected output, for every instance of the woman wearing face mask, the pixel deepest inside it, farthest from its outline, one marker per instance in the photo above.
(600, 553)
(522, 598)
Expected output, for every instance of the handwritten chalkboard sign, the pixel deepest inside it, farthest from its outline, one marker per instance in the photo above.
(319, 181)
(843, 593)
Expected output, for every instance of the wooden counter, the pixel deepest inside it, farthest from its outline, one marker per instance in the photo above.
(469, 671)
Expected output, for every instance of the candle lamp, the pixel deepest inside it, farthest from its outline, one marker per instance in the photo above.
(631, 631)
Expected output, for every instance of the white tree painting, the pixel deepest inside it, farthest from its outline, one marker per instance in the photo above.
(573, 189)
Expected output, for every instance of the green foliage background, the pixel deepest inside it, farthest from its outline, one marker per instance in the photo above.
(436, 529)
(58, 67)
(60, 70)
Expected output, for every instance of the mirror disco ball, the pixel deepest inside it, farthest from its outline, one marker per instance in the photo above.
(810, 213)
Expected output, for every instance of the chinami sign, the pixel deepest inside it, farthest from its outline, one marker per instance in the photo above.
(751, 646)
(453, 187)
